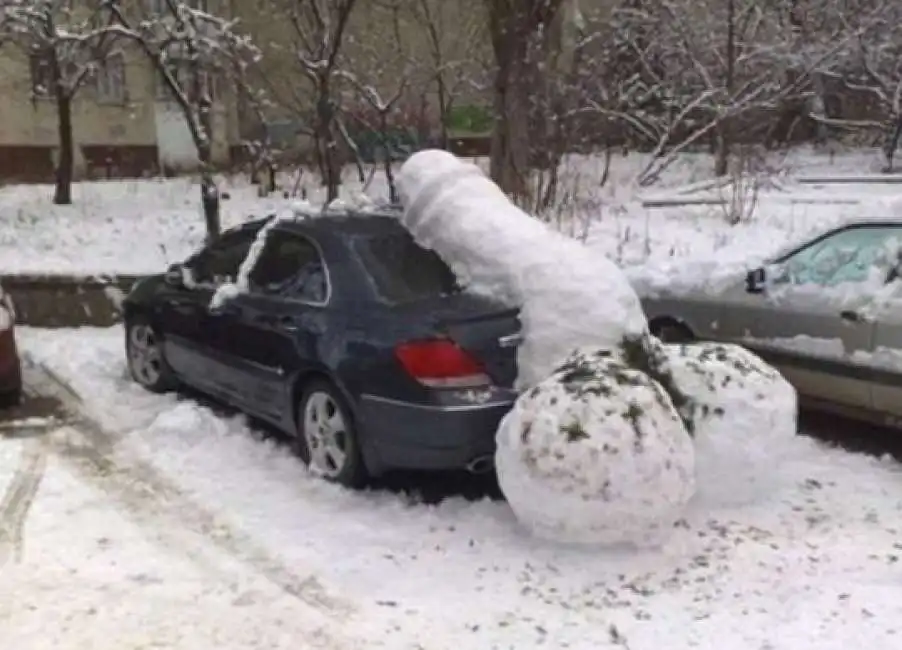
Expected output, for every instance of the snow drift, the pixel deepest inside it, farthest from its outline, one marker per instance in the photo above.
(596, 454)
(570, 296)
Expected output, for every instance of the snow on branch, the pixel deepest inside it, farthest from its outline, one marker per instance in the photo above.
(65, 45)
(676, 73)
(307, 85)
(197, 54)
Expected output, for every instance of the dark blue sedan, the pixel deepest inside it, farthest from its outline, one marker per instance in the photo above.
(351, 338)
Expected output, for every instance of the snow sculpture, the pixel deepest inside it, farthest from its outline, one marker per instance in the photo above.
(596, 454)
(599, 449)
(744, 415)
(570, 295)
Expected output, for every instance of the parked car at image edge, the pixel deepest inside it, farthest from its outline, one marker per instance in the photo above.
(352, 339)
(842, 367)
(10, 363)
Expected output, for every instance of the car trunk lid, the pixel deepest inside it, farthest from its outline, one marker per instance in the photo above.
(485, 329)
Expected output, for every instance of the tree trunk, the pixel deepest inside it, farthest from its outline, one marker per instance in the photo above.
(387, 158)
(326, 142)
(892, 143)
(722, 153)
(510, 147)
(724, 132)
(209, 197)
(520, 33)
(443, 113)
(62, 194)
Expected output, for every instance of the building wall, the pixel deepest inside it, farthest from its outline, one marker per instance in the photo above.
(113, 139)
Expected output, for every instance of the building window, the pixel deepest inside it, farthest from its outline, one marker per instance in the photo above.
(42, 83)
(109, 80)
(185, 79)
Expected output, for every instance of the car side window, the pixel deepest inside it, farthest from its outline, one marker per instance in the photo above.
(848, 256)
(291, 266)
(219, 262)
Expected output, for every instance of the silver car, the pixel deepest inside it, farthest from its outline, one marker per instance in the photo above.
(827, 313)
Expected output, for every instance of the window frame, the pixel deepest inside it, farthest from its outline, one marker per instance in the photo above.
(112, 71)
(782, 259)
(227, 241)
(327, 276)
(40, 65)
(360, 247)
(188, 78)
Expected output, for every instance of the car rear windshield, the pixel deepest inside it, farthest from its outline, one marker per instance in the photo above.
(402, 270)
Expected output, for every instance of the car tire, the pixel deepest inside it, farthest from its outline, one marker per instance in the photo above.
(672, 332)
(326, 438)
(145, 357)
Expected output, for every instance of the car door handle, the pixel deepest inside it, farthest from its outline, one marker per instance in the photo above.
(851, 316)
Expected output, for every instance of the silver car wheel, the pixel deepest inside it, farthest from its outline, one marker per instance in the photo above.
(326, 435)
(145, 358)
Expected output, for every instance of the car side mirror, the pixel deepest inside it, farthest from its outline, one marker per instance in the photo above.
(174, 276)
(756, 280)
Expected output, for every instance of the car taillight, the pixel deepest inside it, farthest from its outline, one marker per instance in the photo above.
(441, 363)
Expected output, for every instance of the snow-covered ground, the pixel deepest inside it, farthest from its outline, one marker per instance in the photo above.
(138, 226)
(170, 525)
(177, 527)
(127, 226)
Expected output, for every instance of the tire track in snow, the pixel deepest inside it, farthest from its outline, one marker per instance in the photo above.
(157, 502)
(17, 500)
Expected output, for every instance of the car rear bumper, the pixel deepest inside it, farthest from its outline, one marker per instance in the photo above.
(456, 430)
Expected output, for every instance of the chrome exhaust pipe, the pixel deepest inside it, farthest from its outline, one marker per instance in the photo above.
(481, 465)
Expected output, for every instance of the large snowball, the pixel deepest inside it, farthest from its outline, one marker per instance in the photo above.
(570, 296)
(596, 454)
(745, 416)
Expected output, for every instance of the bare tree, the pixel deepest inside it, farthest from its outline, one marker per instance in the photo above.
(382, 77)
(457, 60)
(196, 55)
(870, 70)
(523, 40)
(66, 49)
(307, 84)
(718, 67)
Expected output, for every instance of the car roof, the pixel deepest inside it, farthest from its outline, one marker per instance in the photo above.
(338, 221)
(869, 221)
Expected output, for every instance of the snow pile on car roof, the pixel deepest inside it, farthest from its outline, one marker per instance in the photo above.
(570, 295)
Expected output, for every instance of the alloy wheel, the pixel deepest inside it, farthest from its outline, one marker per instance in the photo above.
(326, 435)
(145, 359)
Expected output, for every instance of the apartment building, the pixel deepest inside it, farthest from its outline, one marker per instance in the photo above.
(125, 121)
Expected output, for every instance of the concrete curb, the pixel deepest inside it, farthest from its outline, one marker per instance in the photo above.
(52, 300)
